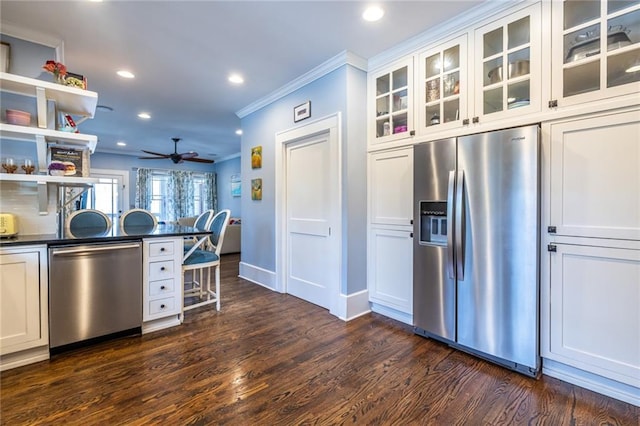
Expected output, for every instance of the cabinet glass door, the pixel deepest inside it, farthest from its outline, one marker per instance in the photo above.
(443, 85)
(392, 102)
(591, 60)
(506, 57)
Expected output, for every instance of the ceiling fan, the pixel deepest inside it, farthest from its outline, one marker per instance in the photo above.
(175, 157)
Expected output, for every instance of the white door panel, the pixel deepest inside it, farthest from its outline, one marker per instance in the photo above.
(311, 191)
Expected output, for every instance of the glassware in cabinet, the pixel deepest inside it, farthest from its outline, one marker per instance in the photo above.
(393, 103)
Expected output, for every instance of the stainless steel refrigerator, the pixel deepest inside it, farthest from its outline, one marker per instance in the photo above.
(476, 245)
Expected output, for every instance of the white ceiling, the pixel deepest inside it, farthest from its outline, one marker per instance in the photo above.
(183, 51)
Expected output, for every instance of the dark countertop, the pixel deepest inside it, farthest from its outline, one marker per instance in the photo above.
(115, 234)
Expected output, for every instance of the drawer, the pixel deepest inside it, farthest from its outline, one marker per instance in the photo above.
(167, 305)
(162, 270)
(161, 248)
(157, 288)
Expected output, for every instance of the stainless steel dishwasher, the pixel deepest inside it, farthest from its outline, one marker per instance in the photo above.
(95, 291)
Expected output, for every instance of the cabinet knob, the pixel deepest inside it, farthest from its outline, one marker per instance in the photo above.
(162, 249)
(162, 287)
(162, 268)
(162, 306)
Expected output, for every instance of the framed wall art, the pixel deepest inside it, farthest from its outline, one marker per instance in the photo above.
(256, 189)
(302, 111)
(236, 188)
(256, 157)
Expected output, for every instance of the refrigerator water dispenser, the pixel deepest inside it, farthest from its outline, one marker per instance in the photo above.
(433, 222)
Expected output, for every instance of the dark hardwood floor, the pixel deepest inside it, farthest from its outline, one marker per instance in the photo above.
(272, 359)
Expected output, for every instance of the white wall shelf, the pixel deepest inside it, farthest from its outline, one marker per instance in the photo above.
(26, 133)
(71, 100)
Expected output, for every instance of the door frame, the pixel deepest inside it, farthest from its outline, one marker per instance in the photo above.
(124, 175)
(331, 125)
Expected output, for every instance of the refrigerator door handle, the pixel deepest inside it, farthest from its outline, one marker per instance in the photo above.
(450, 210)
(459, 225)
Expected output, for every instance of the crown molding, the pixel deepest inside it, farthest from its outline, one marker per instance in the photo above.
(343, 58)
(444, 30)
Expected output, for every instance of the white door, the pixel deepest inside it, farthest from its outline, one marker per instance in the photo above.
(109, 195)
(312, 208)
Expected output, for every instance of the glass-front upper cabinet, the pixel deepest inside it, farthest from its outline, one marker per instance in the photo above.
(508, 65)
(391, 115)
(443, 88)
(596, 49)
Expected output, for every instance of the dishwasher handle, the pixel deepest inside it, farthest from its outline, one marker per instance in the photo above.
(86, 249)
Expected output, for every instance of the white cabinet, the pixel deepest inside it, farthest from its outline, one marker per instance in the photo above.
(390, 243)
(594, 317)
(443, 86)
(595, 176)
(162, 280)
(24, 331)
(391, 269)
(391, 187)
(508, 66)
(391, 102)
(596, 50)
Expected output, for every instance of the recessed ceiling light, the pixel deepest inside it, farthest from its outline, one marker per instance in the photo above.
(121, 143)
(239, 132)
(373, 13)
(125, 74)
(236, 79)
(144, 115)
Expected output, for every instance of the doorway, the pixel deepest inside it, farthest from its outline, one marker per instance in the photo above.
(308, 206)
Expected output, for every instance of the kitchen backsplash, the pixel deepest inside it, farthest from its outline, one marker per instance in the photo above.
(21, 199)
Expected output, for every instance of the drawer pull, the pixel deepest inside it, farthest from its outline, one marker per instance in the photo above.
(162, 268)
(162, 249)
(162, 306)
(162, 287)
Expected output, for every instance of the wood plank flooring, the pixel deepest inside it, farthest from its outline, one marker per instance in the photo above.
(273, 359)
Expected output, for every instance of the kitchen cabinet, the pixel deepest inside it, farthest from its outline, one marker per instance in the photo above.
(162, 283)
(24, 332)
(390, 277)
(391, 102)
(595, 176)
(594, 316)
(508, 66)
(67, 99)
(596, 50)
(391, 187)
(390, 243)
(443, 86)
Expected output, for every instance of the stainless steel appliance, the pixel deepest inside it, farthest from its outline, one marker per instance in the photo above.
(476, 245)
(95, 290)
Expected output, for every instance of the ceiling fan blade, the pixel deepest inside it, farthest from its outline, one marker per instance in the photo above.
(198, 160)
(156, 153)
(152, 158)
(186, 155)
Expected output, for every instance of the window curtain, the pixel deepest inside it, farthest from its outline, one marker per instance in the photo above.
(180, 186)
(143, 188)
(210, 192)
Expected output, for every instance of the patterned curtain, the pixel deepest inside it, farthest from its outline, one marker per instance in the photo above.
(210, 195)
(143, 189)
(180, 185)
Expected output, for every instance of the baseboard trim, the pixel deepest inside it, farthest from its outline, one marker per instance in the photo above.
(258, 275)
(392, 313)
(28, 356)
(160, 324)
(351, 306)
(593, 382)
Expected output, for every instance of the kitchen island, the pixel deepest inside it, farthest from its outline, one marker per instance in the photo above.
(25, 263)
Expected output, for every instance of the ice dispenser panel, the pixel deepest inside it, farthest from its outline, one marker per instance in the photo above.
(433, 222)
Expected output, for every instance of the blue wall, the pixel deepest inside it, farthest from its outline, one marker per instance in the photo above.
(224, 171)
(343, 90)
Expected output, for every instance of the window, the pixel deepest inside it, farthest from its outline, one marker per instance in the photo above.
(163, 201)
